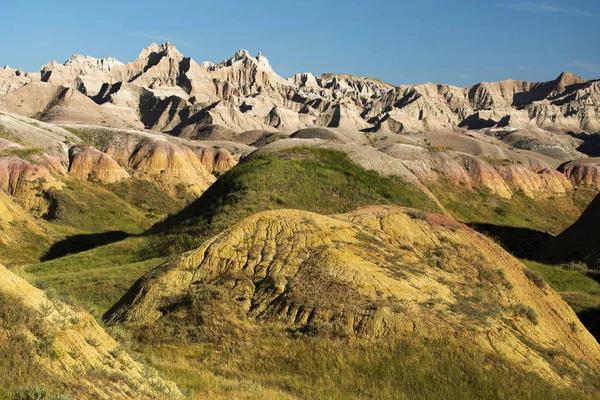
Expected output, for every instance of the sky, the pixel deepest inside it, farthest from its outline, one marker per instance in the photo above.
(402, 42)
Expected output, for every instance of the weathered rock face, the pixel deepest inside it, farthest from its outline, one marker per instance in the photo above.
(60, 104)
(85, 351)
(174, 167)
(215, 160)
(379, 272)
(11, 79)
(181, 167)
(91, 164)
(27, 183)
(584, 172)
(500, 176)
(163, 90)
(502, 172)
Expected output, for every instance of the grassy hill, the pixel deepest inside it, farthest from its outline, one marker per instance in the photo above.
(318, 180)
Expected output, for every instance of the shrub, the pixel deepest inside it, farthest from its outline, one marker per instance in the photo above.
(535, 277)
(521, 310)
(33, 393)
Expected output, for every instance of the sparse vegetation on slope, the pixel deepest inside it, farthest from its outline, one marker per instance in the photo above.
(379, 273)
(48, 348)
(581, 292)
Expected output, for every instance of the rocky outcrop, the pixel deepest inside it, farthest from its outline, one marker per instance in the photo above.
(214, 160)
(174, 167)
(85, 359)
(377, 273)
(27, 183)
(163, 90)
(499, 176)
(502, 172)
(91, 164)
(585, 172)
(11, 79)
(182, 167)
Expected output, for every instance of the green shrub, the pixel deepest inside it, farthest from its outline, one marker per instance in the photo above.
(521, 310)
(33, 393)
(535, 277)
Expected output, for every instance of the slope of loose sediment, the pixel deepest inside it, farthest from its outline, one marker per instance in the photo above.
(70, 351)
(375, 273)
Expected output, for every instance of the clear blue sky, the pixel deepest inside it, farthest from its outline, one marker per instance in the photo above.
(443, 41)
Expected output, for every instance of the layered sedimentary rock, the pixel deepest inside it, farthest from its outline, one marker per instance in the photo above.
(164, 90)
(89, 163)
(27, 183)
(585, 172)
(377, 273)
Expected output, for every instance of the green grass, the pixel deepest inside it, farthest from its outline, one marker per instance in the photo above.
(97, 278)
(581, 292)
(551, 215)
(31, 246)
(146, 196)
(320, 368)
(25, 339)
(318, 180)
(565, 281)
(23, 153)
(92, 209)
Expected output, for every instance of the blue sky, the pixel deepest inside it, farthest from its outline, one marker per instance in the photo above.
(455, 42)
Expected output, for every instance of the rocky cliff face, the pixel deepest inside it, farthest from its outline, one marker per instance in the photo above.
(27, 183)
(89, 163)
(251, 95)
(377, 273)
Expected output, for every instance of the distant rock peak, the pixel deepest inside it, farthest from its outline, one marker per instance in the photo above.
(244, 55)
(106, 63)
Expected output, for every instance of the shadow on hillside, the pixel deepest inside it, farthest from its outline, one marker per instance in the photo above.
(78, 243)
(520, 242)
(590, 145)
(590, 318)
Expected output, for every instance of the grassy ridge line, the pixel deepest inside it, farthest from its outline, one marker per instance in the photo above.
(551, 214)
(320, 180)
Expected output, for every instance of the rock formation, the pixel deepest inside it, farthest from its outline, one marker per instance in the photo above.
(163, 90)
(84, 358)
(89, 163)
(585, 172)
(377, 273)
